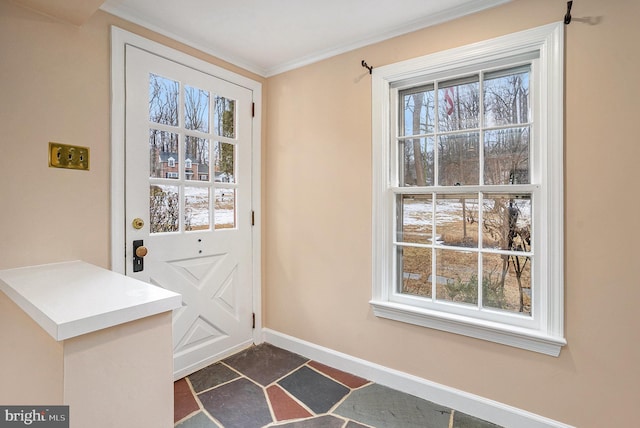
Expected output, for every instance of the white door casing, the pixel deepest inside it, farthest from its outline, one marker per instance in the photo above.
(214, 269)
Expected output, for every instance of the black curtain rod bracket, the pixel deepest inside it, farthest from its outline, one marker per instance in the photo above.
(567, 17)
(365, 65)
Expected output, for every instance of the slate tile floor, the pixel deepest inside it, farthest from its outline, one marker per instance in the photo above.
(265, 386)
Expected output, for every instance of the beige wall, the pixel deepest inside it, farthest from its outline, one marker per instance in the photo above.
(55, 86)
(317, 229)
(54, 81)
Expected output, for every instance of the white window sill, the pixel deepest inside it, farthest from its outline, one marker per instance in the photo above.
(499, 333)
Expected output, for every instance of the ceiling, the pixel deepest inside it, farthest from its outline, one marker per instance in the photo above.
(268, 37)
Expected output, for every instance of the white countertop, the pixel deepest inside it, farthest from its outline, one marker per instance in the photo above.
(74, 298)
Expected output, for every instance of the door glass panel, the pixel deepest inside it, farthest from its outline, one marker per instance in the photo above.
(196, 159)
(506, 156)
(163, 100)
(224, 162)
(224, 117)
(196, 109)
(163, 154)
(457, 276)
(225, 209)
(196, 208)
(417, 162)
(164, 209)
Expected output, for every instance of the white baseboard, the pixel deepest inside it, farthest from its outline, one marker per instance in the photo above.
(483, 408)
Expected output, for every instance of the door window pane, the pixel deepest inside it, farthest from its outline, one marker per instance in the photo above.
(417, 162)
(224, 117)
(225, 208)
(163, 100)
(459, 104)
(196, 163)
(224, 162)
(506, 97)
(196, 109)
(196, 208)
(459, 159)
(163, 154)
(164, 209)
(457, 220)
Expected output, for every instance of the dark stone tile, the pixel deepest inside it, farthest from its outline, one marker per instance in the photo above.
(184, 403)
(265, 363)
(238, 404)
(344, 378)
(199, 420)
(383, 407)
(213, 375)
(352, 424)
(462, 420)
(326, 421)
(316, 391)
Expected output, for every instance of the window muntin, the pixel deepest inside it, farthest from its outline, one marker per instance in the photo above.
(519, 162)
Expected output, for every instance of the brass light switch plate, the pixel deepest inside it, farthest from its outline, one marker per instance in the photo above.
(66, 156)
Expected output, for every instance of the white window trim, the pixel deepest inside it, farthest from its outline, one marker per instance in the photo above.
(548, 335)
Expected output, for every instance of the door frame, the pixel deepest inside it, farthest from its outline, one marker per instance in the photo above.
(119, 39)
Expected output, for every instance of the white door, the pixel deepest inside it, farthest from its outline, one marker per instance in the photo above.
(188, 201)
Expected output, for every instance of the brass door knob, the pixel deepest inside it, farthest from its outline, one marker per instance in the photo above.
(141, 251)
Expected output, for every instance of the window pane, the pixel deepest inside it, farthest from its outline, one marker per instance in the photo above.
(224, 162)
(415, 219)
(506, 282)
(196, 159)
(225, 209)
(196, 208)
(506, 221)
(457, 276)
(415, 265)
(164, 209)
(416, 162)
(224, 117)
(459, 104)
(418, 112)
(163, 100)
(459, 159)
(506, 156)
(506, 97)
(196, 109)
(457, 220)
(163, 154)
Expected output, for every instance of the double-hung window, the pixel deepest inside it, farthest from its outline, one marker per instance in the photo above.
(468, 200)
